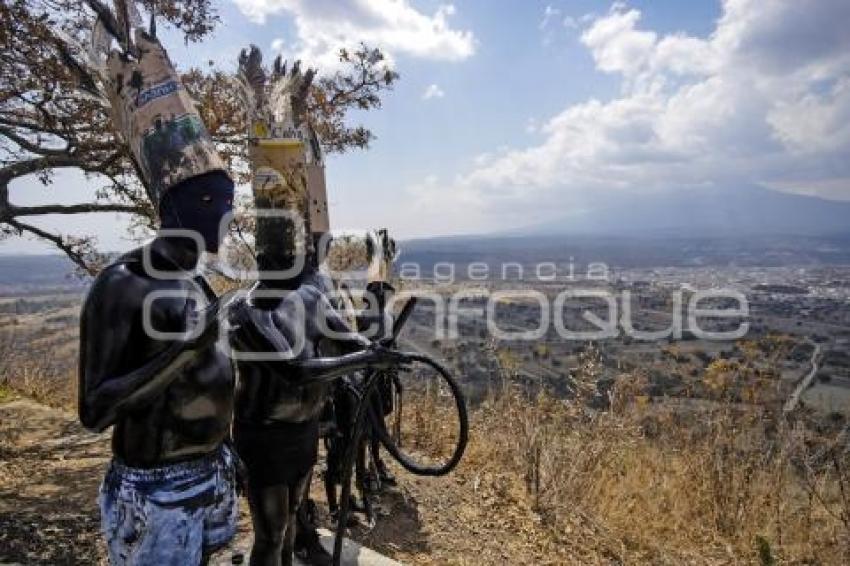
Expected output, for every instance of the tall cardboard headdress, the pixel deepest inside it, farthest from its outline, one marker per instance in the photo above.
(285, 157)
(381, 253)
(157, 118)
(148, 103)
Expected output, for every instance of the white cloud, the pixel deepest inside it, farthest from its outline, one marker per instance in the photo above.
(549, 14)
(615, 43)
(549, 24)
(433, 91)
(324, 26)
(765, 98)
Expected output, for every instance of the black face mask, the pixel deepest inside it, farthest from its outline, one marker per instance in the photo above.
(199, 204)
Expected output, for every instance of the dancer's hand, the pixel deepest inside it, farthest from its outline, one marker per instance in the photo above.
(389, 359)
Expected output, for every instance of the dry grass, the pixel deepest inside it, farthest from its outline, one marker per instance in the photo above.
(643, 482)
(39, 366)
(552, 482)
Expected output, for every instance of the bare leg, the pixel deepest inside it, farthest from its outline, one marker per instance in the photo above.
(303, 523)
(308, 545)
(295, 496)
(360, 467)
(363, 478)
(270, 513)
(332, 459)
(384, 475)
(330, 486)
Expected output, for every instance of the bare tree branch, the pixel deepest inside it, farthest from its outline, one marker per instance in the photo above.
(29, 146)
(22, 168)
(83, 208)
(74, 249)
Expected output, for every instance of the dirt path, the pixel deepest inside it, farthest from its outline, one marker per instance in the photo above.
(805, 381)
(50, 470)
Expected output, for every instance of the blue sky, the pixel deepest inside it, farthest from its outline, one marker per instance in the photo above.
(539, 110)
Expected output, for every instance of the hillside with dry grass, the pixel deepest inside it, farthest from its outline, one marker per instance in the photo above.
(642, 480)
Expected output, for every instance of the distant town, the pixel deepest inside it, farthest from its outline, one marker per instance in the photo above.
(796, 322)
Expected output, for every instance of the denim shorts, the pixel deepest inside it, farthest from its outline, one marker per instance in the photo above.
(171, 515)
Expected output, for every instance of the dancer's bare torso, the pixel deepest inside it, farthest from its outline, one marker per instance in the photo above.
(300, 320)
(168, 400)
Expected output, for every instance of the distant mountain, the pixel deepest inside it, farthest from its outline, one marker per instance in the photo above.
(34, 273)
(743, 226)
(749, 226)
(624, 251)
(714, 213)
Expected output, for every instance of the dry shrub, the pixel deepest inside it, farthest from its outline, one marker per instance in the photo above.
(429, 424)
(347, 253)
(38, 367)
(702, 482)
(665, 481)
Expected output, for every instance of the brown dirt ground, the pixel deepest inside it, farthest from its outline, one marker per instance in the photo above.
(50, 469)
